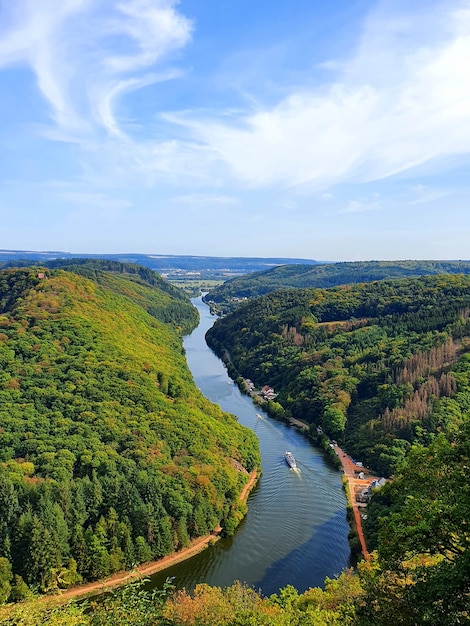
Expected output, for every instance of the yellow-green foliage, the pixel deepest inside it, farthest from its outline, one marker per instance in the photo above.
(236, 605)
(110, 453)
(371, 356)
(241, 605)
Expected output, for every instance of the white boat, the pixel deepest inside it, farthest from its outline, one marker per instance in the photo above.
(289, 457)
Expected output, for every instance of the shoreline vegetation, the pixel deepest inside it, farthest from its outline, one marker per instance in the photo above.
(152, 567)
(334, 454)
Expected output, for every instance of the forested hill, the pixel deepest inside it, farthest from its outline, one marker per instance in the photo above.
(90, 268)
(108, 480)
(109, 455)
(228, 295)
(365, 362)
(166, 302)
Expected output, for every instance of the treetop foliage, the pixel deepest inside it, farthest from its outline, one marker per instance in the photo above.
(227, 295)
(365, 361)
(109, 455)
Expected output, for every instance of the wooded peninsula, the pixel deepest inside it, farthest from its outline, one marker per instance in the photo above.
(110, 456)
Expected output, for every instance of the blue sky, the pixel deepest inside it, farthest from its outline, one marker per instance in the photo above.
(324, 130)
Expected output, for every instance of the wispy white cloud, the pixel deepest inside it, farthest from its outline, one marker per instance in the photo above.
(423, 195)
(106, 205)
(288, 204)
(359, 206)
(402, 100)
(87, 57)
(32, 34)
(199, 200)
(154, 26)
(86, 54)
(104, 97)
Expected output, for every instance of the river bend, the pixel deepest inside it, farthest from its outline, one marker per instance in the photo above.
(295, 531)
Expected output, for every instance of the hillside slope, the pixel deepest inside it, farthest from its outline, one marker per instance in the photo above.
(364, 362)
(109, 454)
(167, 303)
(228, 295)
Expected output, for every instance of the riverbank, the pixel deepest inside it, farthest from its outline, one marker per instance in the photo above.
(352, 481)
(152, 567)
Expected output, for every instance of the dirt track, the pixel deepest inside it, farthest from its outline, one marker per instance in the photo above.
(349, 470)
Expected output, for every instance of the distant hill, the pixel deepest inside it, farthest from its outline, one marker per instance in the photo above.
(228, 295)
(167, 303)
(168, 265)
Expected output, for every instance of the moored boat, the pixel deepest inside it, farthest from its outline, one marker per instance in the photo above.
(289, 457)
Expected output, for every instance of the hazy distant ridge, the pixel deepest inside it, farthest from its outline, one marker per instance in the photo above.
(327, 275)
(162, 263)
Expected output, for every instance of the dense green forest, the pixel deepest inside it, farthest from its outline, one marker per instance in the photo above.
(381, 344)
(166, 302)
(109, 455)
(226, 298)
(364, 362)
(418, 576)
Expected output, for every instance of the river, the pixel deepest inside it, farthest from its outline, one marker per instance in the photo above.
(295, 531)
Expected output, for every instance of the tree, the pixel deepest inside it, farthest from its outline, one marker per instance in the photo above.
(5, 579)
(97, 555)
(42, 556)
(334, 421)
(19, 589)
(425, 537)
(432, 496)
(143, 551)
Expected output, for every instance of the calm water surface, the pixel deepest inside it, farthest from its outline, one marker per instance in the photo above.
(296, 530)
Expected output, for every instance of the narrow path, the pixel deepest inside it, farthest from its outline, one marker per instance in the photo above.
(349, 471)
(146, 569)
(249, 485)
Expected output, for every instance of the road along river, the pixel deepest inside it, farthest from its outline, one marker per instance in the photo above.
(295, 531)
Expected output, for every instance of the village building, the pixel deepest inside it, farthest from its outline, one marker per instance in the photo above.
(364, 495)
(268, 393)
